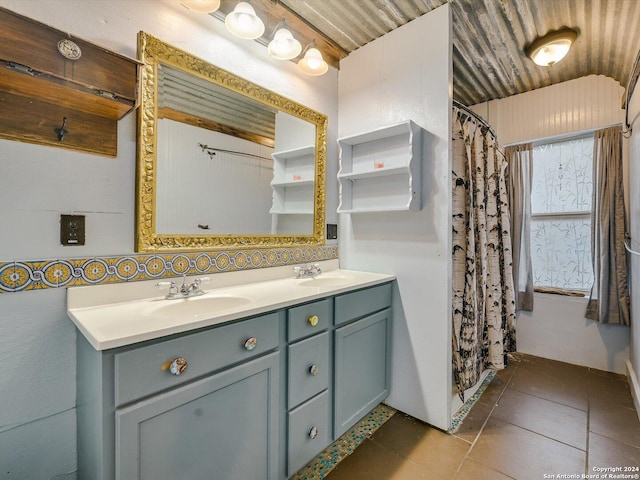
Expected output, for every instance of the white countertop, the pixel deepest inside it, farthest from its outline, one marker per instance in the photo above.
(111, 316)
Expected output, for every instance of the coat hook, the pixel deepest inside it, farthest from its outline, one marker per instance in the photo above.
(61, 131)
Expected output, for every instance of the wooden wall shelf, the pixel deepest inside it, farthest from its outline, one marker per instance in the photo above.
(39, 87)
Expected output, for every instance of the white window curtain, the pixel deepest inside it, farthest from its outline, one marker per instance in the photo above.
(520, 161)
(609, 301)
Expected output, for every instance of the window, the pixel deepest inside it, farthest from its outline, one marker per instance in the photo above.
(561, 214)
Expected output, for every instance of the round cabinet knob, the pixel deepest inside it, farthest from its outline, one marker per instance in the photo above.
(178, 366)
(250, 343)
(313, 320)
(313, 433)
(313, 370)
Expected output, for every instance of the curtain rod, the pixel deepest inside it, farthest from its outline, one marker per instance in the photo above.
(470, 112)
(212, 151)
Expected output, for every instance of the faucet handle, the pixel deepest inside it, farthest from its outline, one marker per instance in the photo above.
(173, 288)
(201, 280)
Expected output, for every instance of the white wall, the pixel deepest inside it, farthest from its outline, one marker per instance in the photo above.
(407, 74)
(37, 184)
(557, 328)
(634, 231)
(193, 187)
(582, 104)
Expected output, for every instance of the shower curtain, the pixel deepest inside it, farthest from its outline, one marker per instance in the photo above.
(483, 294)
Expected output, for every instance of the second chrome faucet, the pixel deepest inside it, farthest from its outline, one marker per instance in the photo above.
(308, 271)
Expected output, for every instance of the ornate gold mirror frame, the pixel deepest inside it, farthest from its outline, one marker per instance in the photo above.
(151, 52)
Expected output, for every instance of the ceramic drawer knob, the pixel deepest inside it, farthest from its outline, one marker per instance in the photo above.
(313, 320)
(250, 343)
(178, 366)
(313, 433)
(313, 370)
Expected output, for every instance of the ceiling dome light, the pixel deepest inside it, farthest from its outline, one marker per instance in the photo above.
(312, 63)
(201, 6)
(244, 23)
(550, 49)
(283, 46)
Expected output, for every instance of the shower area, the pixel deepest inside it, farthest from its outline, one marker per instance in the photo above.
(483, 294)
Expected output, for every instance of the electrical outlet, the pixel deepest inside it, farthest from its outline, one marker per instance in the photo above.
(332, 231)
(72, 230)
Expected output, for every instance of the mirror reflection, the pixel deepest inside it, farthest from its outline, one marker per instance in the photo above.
(233, 164)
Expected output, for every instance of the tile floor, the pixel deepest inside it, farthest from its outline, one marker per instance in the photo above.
(537, 419)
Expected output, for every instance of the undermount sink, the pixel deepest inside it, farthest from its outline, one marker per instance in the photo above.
(328, 281)
(197, 306)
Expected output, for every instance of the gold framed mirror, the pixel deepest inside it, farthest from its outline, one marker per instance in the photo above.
(223, 163)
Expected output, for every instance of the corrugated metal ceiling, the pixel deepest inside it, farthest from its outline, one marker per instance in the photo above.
(198, 97)
(489, 37)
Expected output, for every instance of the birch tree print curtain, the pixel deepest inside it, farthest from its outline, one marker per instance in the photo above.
(483, 294)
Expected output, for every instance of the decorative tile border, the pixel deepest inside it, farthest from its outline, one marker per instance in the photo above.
(37, 275)
(462, 412)
(327, 460)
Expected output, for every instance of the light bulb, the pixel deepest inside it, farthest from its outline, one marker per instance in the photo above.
(313, 63)
(553, 47)
(552, 53)
(244, 23)
(284, 46)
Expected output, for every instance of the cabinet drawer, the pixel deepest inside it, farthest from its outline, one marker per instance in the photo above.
(144, 371)
(363, 302)
(306, 422)
(308, 368)
(302, 321)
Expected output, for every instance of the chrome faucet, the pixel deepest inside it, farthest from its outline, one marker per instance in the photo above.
(308, 271)
(186, 290)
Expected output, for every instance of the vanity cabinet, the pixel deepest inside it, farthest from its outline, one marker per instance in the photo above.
(256, 398)
(218, 418)
(221, 427)
(309, 376)
(362, 354)
(60, 90)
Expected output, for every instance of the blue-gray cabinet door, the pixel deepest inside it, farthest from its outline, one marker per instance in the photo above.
(223, 427)
(362, 368)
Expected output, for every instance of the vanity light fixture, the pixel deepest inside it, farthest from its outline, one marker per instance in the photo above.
(244, 23)
(550, 49)
(312, 63)
(201, 6)
(283, 46)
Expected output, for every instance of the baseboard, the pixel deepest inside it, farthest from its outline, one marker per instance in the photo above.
(634, 385)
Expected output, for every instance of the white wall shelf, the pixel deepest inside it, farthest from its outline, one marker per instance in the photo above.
(380, 170)
(293, 183)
